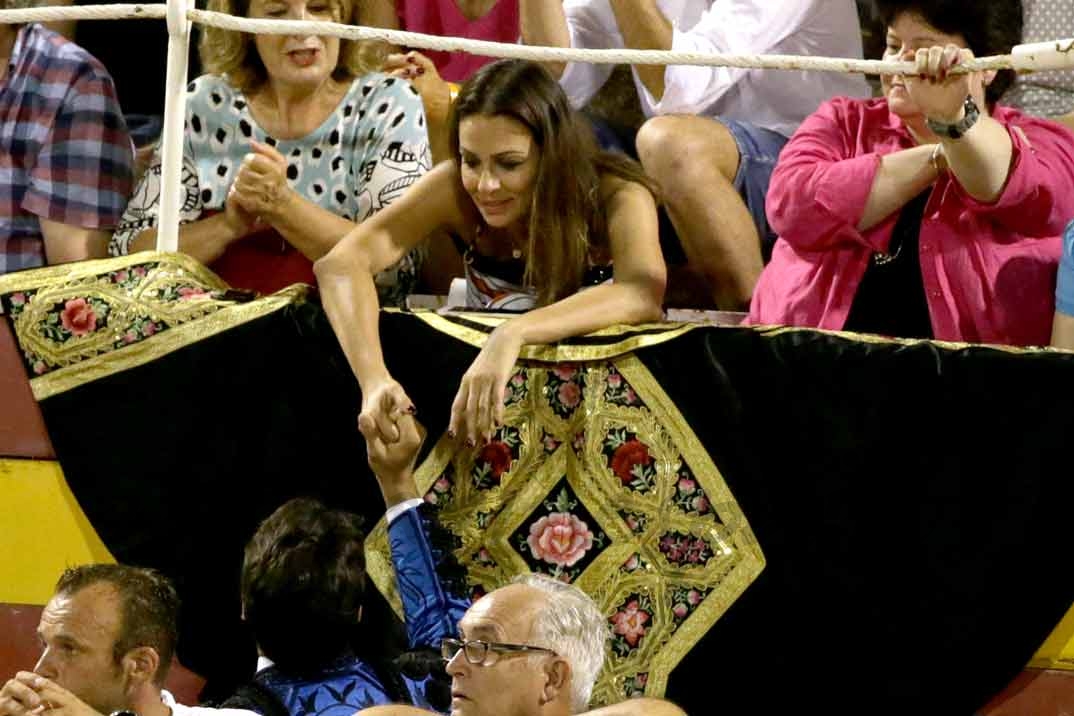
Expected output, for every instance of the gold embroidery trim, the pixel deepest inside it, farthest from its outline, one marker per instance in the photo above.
(565, 351)
(175, 338)
(51, 275)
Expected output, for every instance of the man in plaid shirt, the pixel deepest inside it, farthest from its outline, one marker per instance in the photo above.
(66, 158)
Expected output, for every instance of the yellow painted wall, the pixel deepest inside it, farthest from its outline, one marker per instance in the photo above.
(42, 531)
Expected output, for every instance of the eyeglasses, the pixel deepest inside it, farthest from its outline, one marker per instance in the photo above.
(476, 651)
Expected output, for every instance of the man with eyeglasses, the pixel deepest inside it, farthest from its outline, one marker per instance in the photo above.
(531, 648)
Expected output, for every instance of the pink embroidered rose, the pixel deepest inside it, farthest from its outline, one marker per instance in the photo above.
(17, 299)
(139, 271)
(498, 457)
(630, 622)
(560, 538)
(626, 457)
(78, 317)
(693, 597)
(642, 679)
(631, 564)
(570, 394)
(121, 276)
(149, 328)
(518, 379)
(631, 396)
(565, 371)
(550, 444)
(130, 337)
(701, 504)
(680, 610)
(40, 368)
(442, 485)
(614, 380)
(687, 486)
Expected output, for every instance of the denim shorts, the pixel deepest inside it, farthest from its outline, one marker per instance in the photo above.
(758, 151)
(1064, 285)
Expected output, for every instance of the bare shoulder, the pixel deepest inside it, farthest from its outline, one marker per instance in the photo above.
(616, 191)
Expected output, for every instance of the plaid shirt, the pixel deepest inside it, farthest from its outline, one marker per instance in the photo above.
(65, 154)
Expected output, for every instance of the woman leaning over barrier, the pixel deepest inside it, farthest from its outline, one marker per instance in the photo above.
(538, 213)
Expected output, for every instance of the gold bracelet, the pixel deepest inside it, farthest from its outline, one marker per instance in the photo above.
(937, 150)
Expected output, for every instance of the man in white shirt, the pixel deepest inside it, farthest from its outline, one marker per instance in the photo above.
(108, 635)
(714, 174)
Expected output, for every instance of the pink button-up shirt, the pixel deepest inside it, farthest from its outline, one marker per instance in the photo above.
(988, 269)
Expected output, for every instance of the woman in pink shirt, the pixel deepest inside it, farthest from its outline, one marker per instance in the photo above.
(931, 212)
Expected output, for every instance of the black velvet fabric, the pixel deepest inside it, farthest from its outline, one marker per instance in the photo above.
(911, 500)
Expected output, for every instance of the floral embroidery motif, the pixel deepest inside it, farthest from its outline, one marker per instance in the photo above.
(517, 388)
(549, 442)
(496, 458)
(684, 550)
(689, 495)
(684, 600)
(16, 302)
(74, 318)
(561, 542)
(618, 392)
(634, 686)
(634, 564)
(636, 522)
(130, 278)
(440, 492)
(483, 558)
(564, 389)
(629, 460)
(629, 623)
(143, 327)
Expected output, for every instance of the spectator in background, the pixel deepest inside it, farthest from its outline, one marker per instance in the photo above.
(931, 212)
(1046, 94)
(492, 20)
(108, 637)
(65, 153)
(436, 75)
(713, 156)
(135, 52)
(289, 142)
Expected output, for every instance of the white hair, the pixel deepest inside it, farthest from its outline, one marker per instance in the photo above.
(571, 625)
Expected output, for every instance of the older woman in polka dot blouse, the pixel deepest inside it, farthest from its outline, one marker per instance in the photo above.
(288, 143)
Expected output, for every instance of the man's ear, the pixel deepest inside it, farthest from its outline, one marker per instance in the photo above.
(557, 685)
(140, 664)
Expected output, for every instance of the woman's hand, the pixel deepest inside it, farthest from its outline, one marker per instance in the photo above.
(393, 463)
(260, 185)
(478, 406)
(383, 406)
(937, 93)
(421, 72)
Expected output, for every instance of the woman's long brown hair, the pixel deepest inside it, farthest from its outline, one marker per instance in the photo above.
(567, 218)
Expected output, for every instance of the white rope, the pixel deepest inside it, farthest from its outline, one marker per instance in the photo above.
(1045, 55)
(156, 11)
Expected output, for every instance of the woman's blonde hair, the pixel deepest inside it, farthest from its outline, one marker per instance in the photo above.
(231, 53)
(567, 221)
